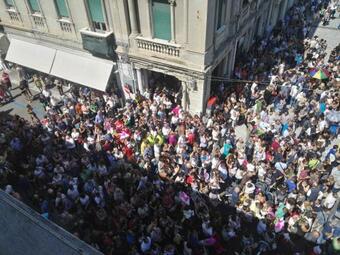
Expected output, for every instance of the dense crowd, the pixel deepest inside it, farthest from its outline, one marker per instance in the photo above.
(258, 174)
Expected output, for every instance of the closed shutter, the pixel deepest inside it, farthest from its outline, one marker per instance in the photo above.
(62, 9)
(161, 19)
(96, 10)
(34, 5)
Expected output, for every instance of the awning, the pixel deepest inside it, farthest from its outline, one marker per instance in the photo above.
(4, 43)
(31, 55)
(89, 71)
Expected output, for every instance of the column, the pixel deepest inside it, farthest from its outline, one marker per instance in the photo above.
(146, 79)
(184, 95)
(186, 20)
(140, 81)
(172, 14)
(133, 18)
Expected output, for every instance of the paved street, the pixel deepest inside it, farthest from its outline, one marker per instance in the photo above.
(18, 105)
(330, 33)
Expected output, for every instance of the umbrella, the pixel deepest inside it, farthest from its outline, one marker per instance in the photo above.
(212, 101)
(280, 166)
(320, 74)
(333, 116)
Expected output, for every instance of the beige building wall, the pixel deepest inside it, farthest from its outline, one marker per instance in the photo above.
(196, 49)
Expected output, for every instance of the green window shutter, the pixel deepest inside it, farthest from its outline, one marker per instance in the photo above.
(62, 8)
(96, 11)
(9, 2)
(161, 19)
(34, 5)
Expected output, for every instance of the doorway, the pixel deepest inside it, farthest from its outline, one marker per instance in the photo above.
(168, 84)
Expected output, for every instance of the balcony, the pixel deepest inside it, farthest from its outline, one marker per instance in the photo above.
(158, 46)
(65, 25)
(13, 15)
(100, 44)
(38, 20)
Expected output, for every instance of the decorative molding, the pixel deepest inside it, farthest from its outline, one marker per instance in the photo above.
(172, 2)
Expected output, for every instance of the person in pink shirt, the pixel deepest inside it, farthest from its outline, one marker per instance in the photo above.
(172, 139)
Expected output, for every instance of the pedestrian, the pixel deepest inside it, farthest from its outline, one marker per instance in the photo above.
(59, 86)
(6, 80)
(38, 82)
(31, 113)
(25, 89)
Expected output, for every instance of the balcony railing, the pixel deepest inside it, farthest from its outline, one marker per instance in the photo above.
(38, 20)
(65, 25)
(13, 14)
(158, 46)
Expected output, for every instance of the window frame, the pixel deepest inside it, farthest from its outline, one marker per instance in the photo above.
(221, 12)
(9, 6)
(58, 12)
(245, 3)
(96, 26)
(33, 12)
(153, 23)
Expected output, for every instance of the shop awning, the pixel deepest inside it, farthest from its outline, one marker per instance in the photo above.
(31, 55)
(89, 71)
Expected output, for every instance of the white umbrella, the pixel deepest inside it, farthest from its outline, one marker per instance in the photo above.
(333, 116)
(280, 166)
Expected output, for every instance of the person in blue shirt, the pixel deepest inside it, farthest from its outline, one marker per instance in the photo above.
(16, 144)
(291, 184)
(99, 119)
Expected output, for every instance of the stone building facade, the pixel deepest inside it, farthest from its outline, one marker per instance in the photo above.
(182, 42)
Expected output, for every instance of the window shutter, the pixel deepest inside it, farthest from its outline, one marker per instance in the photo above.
(161, 19)
(96, 11)
(62, 8)
(9, 2)
(34, 5)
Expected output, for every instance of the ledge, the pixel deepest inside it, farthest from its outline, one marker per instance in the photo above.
(87, 31)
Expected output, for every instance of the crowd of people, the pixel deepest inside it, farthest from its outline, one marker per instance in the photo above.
(149, 178)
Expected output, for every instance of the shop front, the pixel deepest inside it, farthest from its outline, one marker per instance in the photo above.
(74, 66)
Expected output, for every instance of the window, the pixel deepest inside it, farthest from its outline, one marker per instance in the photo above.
(244, 3)
(61, 8)
(97, 15)
(221, 10)
(34, 5)
(161, 19)
(9, 3)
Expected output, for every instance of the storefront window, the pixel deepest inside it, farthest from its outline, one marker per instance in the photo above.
(62, 8)
(161, 19)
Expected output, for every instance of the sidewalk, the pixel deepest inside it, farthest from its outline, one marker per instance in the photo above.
(330, 33)
(18, 105)
(13, 74)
